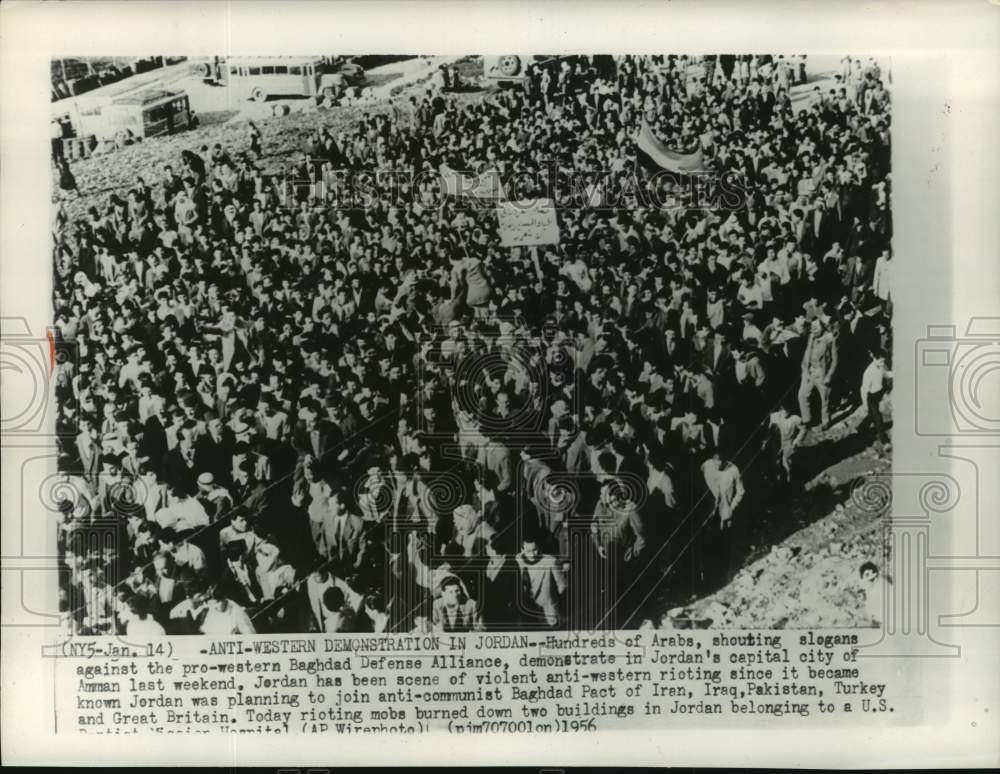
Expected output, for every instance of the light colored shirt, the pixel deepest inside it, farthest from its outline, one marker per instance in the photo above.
(726, 486)
(661, 481)
(147, 627)
(190, 555)
(232, 620)
(873, 379)
(882, 279)
(546, 583)
(182, 515)
(788, 427)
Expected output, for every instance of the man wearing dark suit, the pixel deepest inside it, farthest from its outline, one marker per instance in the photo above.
(88, 450)
(346, 429)
(343, 534)
(822, 227)
(239, 577)
(312, 437)
(249, 493)
(802, 231)
(154, 440)
(495, 456)
(180, 465)
(214, 449)
(674, 348)
(855, 339)
(718, 358)
(398, 349)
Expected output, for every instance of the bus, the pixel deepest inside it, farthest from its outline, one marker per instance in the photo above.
(258, 78)
(136, 113)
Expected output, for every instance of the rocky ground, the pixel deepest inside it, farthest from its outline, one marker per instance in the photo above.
(801, 570)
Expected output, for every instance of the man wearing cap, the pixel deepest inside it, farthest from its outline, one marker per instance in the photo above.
(215, 499)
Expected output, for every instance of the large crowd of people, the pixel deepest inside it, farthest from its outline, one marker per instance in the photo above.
(282, 414)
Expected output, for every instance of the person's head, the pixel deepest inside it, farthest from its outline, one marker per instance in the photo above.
(333, 599)
(214, 423)
(168, 539)
(375, 604)
(179, 491)
(243, 472)
(530, 550)
(138, 607)
(146, 532)
(336, 500)
(451, 591)
(239, 521)
(217, 599)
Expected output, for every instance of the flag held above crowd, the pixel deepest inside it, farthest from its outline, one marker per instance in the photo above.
(654, 153)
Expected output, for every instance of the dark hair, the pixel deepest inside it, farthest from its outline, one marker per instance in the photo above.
(333, 599)
(376, 601)
(139, 605)
(450, 581)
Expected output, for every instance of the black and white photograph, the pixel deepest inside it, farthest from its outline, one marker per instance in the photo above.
(395, 344)
(374, 392)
